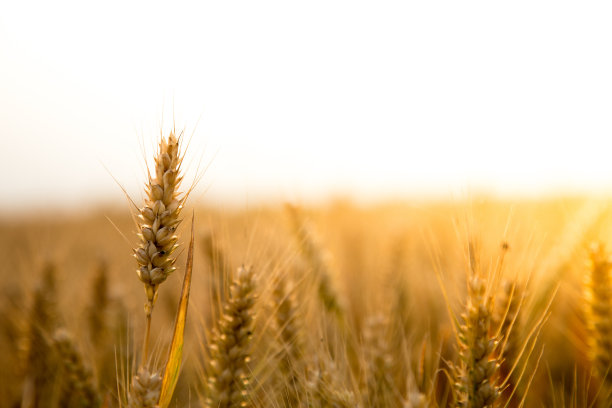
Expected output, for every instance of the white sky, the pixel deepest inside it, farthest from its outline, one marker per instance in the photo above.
(302, 100)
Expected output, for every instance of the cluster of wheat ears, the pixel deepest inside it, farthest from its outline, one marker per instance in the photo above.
(284, 333)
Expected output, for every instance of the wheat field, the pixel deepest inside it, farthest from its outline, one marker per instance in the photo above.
(467, 303)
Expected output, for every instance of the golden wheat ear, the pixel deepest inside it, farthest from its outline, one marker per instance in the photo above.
(475, 387)
(598, 295)
(157, 223)
(509, 320)
(38, 363)
(146, 386)
(475, 374)
(98, 308)
(159, 219)
(314, 255)
(292, 364)
(228, 371)
(78, 383)
(379, 387)
(326, 386)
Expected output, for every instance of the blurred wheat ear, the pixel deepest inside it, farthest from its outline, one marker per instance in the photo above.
(599, 312)
(38, 359)
(315, 257)
(508, 319)
(292, 365)
(228, 371)
(78, 384)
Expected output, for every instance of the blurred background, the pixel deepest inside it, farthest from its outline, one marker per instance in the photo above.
(401, 133)
(303, 102)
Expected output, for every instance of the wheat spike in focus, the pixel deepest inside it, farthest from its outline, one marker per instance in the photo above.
(159, 219)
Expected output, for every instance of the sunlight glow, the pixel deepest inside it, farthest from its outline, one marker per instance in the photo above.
(306, 100)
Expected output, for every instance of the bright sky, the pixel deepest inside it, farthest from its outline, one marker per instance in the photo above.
(301, 100)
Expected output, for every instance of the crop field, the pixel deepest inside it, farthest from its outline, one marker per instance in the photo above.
(469, 303)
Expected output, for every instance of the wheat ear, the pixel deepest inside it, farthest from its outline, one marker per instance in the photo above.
(325, 386)
(228, 372)
(379, 363)
(79, 389)
(509, 320)
(158, 221)
(292, 365)
(599, 311)
(42, 322)
(146, 387)
(314, 255)
(98, 308)
(475, 387)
